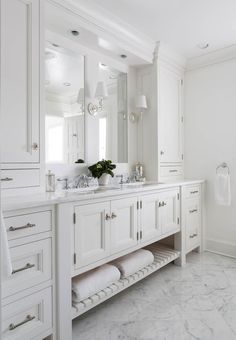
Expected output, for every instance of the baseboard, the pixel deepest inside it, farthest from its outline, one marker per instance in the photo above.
(222, 248)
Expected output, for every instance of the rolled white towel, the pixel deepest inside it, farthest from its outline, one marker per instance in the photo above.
(6, 264)
(131, 263)
(90, 283)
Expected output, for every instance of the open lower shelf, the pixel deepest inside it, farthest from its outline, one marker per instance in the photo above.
(162, 256)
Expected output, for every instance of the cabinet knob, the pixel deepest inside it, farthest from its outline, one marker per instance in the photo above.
(113, 215)
(162, 152)
(107, 217)
(35, 146)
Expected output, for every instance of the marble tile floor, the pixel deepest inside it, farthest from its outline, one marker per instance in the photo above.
(195, 302)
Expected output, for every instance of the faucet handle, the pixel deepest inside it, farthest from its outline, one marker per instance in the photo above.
(121, 178)
(65, 179)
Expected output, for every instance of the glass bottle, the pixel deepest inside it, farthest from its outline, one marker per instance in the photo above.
(50, 182)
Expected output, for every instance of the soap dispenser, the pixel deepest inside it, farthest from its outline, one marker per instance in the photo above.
(50, 182)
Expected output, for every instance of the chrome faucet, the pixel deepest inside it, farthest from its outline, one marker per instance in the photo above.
(121, 178)
(64, 180)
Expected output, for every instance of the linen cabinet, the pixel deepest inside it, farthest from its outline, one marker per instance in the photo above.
(21, 42)
(162, 122)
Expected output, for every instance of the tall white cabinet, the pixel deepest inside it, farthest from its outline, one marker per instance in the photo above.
(162, 124)
(21, 35)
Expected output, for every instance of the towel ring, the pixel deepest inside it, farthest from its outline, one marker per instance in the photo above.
(223, 166)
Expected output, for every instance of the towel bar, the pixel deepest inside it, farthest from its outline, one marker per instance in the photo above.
(223, 166)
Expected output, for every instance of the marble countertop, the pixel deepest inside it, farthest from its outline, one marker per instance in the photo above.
(64, 196)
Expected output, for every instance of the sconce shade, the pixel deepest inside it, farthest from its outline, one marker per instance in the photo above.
(141, 102)
(80, 97)
(101, 90)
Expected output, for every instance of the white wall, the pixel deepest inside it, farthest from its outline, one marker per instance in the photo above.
(210, 139)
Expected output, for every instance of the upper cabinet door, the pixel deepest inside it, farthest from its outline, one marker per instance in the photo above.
(170, 115)
(20, 81)
(123, 224)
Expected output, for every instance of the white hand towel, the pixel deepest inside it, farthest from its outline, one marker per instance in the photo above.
(222, 189)
(131, 263)
(6, 264)
(90, 283)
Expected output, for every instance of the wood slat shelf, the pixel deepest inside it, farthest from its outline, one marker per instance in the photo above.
(162, 256)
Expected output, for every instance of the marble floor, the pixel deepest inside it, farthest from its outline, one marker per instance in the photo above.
(196, 302)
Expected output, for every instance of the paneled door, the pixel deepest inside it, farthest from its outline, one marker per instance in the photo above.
(170, 116)
(123, 224)
(92, 225)
(169, 211)
(150, 227)
(20, 81)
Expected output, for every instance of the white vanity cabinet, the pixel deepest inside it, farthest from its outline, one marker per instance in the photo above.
(91, 233)
(28, 293)
(123, 227)
(192, 216)
(21, 34)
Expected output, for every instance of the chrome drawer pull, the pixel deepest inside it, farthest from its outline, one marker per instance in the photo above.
(193, 235)
(28, 225)
(6, 179)
(194, 192)
(27, 319)
(27, 266)
(174, 170)
(192, 211)
(113, 215)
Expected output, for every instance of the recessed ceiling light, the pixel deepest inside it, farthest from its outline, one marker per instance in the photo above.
(67, 84)
(123, 56)
(203, 46)
(75, 33)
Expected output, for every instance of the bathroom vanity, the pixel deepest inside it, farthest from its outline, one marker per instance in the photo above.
(55, 237)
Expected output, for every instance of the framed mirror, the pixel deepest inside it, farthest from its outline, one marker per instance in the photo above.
(64, 104)
(111, 93)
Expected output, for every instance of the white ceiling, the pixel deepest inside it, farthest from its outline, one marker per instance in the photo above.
(180, 23)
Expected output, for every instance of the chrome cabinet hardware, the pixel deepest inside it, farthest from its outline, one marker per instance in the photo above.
(194, 192)
(35, 146)
(113, 215)
(108, 217)
(161, 204)
(193, 211)
(193, 235)
(26, 226)
(141, 235)
(137, 235)
(162, 152)
(173, 170)
(141, 204)
(27, 266)
(28, 318)
(6, 179)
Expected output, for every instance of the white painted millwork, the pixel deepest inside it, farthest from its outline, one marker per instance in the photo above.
(91, 234)
(29, 317)
(20, 83)
(123, 226)
(169, 211)
(28, 294)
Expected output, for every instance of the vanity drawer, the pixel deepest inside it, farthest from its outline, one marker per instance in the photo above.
(31, 264)
(20, 178)
(192, 223)
(192, 191)
(27, 318)
(28, 224)
(171, 171)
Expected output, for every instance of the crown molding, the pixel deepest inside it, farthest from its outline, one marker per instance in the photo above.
(166, 54)
(219, 56)
(103, 23)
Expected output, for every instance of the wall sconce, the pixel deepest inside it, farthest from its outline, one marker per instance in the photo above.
(141, 104)
(100, 94)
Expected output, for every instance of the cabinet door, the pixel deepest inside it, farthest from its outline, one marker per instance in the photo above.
(192, 223)
(149, 217)
(91, 233)
(170, 116)
(169, 211)
(123, 224)
(20, 80)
